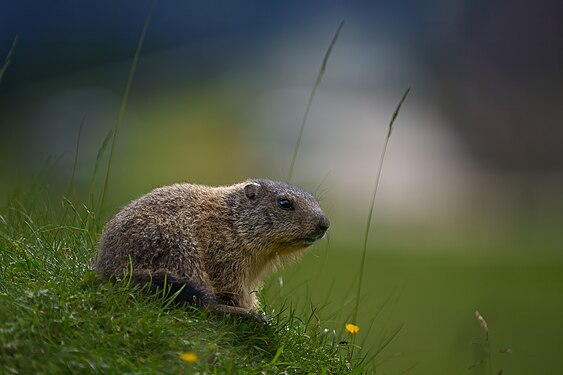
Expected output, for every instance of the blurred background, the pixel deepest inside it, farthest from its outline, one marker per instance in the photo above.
(470, 208)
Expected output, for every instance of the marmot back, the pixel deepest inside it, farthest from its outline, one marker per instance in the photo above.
(213, 244)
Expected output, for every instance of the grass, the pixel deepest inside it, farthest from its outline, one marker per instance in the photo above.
(124, 100)
(316, 84)
(56, 317)
(9, 57)
(372, 205)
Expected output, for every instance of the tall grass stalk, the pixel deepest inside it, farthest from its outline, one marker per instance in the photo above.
(485, 345)
(372, 205)
(97, 164)
(311, 97)
(124, 100)
(75, 163)
(8, 59)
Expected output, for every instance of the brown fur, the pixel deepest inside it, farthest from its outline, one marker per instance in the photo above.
(219, 242)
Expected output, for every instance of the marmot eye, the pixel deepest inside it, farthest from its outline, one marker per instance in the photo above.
(286, 204)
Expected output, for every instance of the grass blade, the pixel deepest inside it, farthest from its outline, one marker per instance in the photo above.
(385, 342)
(370, 215)
(71, 185)
(311, 97)
(124, 100)
(277, 356)
(99, 156)
(9, 57)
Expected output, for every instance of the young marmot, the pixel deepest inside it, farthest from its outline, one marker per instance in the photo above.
(213, 244)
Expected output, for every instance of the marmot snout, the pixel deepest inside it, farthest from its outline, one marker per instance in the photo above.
(213, 244)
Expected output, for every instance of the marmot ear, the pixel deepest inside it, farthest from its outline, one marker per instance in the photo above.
(251, 190)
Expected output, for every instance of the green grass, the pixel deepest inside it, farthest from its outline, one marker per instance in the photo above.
(55, 317)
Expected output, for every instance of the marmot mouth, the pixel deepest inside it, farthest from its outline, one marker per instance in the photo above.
(308, 241)
(305, 242)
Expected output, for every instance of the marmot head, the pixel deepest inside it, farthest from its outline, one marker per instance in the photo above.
(277, 217)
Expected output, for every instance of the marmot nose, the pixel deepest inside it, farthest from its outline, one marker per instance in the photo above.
(323, 223)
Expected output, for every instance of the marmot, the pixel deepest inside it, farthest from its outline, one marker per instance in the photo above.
(214, 244)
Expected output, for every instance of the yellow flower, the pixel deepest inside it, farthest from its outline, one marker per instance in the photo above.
(352, 328)
(189, 357)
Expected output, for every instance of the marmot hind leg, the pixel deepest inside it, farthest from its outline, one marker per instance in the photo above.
(189, 292)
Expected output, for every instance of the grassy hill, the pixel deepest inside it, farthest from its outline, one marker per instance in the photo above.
(55, 317)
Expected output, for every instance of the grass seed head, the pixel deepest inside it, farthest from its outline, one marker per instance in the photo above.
(483, 324)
